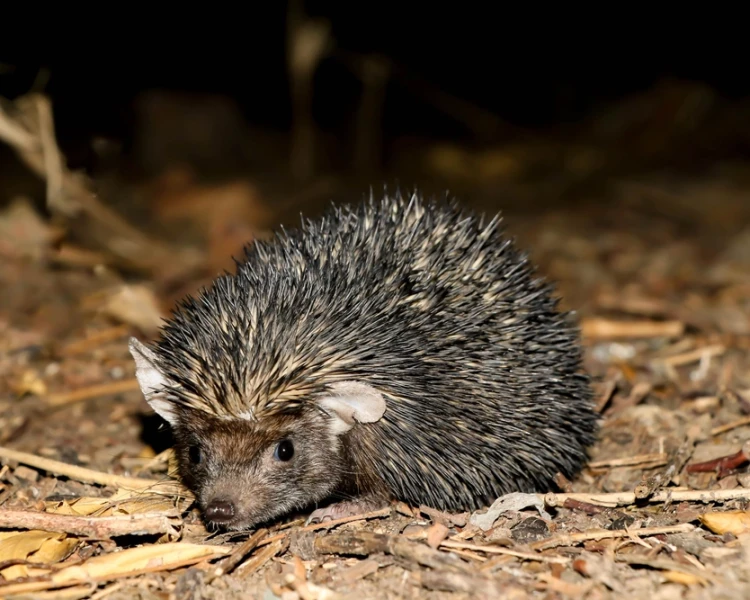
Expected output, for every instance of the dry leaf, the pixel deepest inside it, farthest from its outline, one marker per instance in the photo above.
(734, 522)
(129, 304)
(41, 547)
(121, 503)
(436, 534)
(23, 232)
(154, 556)
(683, 578)
(30, 383)
(106, 567)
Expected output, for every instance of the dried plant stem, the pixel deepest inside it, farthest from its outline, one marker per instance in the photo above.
(659, 458)
(256, 561)
(572, 539)
(729, 426)
(93, 391)
(692, 356)
(627, 498)
(85, 475)
(507, 551)
(226, 565)
(95, 339)
(375, 514)
(94, 527)
(598, 328)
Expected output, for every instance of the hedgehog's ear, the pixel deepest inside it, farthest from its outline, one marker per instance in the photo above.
(351, 401)
(152, 381)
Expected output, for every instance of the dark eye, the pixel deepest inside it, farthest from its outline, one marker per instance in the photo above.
(195, 455)
(284, 450)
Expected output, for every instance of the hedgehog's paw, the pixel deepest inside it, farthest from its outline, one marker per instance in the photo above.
(347, 508)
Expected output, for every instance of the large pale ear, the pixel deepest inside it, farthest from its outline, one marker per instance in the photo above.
(351, 402)
(152, 381)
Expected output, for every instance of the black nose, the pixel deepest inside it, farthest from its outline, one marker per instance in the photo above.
(220, 511)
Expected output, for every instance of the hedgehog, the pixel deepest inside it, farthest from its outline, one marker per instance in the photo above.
(401, 348)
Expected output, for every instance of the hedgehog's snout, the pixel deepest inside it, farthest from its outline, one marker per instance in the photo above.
(220, 511)
(235, 503)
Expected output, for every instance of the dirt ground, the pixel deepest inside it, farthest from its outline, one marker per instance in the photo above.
(657, 265)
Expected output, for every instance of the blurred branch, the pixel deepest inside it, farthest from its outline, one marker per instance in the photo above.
(375, 73)
(27, 125)
(482, 122)
(308, 41)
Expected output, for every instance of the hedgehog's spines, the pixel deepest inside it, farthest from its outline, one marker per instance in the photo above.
(432, 305)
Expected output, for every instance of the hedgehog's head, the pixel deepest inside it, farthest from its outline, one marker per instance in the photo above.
(245, 470)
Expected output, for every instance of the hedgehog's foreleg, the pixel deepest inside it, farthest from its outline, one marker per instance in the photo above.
(346, 508)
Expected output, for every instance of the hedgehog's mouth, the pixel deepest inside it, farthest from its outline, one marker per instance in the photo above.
(231, 515)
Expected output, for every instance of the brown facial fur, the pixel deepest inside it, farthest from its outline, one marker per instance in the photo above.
(237, 463)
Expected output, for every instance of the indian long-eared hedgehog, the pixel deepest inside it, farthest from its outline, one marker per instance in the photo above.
(399, 349)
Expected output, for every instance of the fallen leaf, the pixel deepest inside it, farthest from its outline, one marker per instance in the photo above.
(734, 522)
(436, 534)
(42, 547)
(23, 232)
(113, 565)
(30, 383)
(514, 501)
(121, 503)
(129, 304)
(683, 578)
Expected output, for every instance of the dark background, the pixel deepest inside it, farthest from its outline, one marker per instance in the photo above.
(529, 71)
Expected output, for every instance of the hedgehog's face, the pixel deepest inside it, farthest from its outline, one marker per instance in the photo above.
(248, 471)
(244, 473)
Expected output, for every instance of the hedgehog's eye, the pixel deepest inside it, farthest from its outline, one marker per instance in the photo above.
(195, 455)
(284, 450)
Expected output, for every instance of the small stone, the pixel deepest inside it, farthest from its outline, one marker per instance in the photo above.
(415, 531)
(26, 474)
(622, 522)
(530, 530)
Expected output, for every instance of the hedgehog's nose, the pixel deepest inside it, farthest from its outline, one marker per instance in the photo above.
(220, 511)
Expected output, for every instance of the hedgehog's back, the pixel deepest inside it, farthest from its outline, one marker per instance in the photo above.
(430, 305)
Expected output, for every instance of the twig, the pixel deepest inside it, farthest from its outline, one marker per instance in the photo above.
(598, 328)
(308, 41)
(729, 426)
(95, 339)
(31, 135)
(469, 584)
(365, 543)
(640, 459)
(53, 163)
(77, 575)
(163, 457)
(666, 565)
(671, 472)
(256, 561)
(626, 498)
(606, 395)
(482, 122)
(94, 527)
(226, 565)
(589, 509)
(85, 475)
(375, 514)
(93, 391)
(374, 73)
(73, 256)
(506, 551)
(724, 464)
(637, 395)
(686, 358)
(572, 539)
